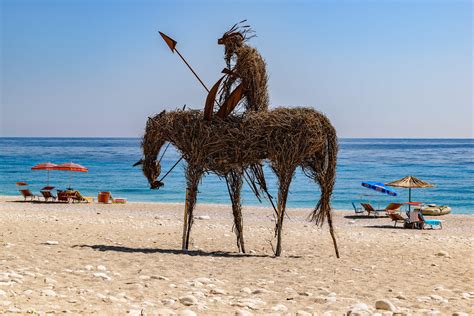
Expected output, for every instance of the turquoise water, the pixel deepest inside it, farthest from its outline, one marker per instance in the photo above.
(446, 162)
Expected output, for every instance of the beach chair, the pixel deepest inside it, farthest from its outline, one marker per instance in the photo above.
(62, 196)
(370, 209)
(26, 193)
(431, 222)
(413, 220)
(76, 196)
(393, 207)
(47, 195)
(357, 210)
(396, 217)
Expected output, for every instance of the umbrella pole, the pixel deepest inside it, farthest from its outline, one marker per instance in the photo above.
(409, 199)
(48, 179)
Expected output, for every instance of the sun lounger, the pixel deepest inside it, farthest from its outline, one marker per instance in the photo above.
(393, 207)
(370, 209)
(27, 194)
(396, 217)
(431, 222)
(62, 196)
(76, 196)
(357, 210)
(413, 220)
(47, 195)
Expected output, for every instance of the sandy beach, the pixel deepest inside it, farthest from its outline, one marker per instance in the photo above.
(106, 259)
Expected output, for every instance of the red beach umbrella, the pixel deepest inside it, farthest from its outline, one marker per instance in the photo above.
(45, 166)
(70, 166)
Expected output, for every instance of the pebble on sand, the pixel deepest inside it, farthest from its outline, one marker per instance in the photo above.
(385, 305)
(203, 217)
(280, 308)
(48, 292)
(102, 276)
(188, 300)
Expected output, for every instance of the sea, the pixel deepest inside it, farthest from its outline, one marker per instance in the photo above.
(447, 163)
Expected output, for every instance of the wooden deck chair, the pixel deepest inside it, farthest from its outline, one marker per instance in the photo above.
(370, 209)
(393, 207)
(396, 217)
(62, 196)
(26, 193)
(47, 195)
(76, 196)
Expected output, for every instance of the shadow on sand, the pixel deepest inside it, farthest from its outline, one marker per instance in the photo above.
(365, 216)
(174, 251)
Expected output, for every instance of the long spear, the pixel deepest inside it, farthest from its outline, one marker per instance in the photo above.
(172, 45)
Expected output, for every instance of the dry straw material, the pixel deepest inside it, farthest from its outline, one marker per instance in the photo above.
(286, 138)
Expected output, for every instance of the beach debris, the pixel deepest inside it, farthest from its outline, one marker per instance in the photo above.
(160, 277)
(460, 314)
(442, 253)
(186, 312)
(386, 305)
(188, 300)
(89, 267)
(51, 242)
(303, 313)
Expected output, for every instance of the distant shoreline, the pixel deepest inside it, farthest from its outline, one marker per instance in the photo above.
(19, 199)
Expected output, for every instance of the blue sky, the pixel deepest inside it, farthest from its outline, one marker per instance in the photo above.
(99, 68)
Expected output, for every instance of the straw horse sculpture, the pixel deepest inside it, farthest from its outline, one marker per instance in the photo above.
(286, 138)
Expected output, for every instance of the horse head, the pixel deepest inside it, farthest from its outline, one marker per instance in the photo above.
(152, 142)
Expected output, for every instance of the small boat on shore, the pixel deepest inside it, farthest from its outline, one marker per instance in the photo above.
(435, 210)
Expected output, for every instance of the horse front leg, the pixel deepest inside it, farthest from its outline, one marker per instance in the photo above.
(234, 185)
(193, 175)
(284, 179)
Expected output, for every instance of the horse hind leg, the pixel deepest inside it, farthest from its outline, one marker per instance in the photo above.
(234, 185)
(323, 170)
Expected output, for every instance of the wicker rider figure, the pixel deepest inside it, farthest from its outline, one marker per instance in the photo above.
(246, 71)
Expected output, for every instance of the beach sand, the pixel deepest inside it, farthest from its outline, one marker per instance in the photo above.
(106, 259)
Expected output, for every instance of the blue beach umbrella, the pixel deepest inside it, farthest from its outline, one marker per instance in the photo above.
(379, 187)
